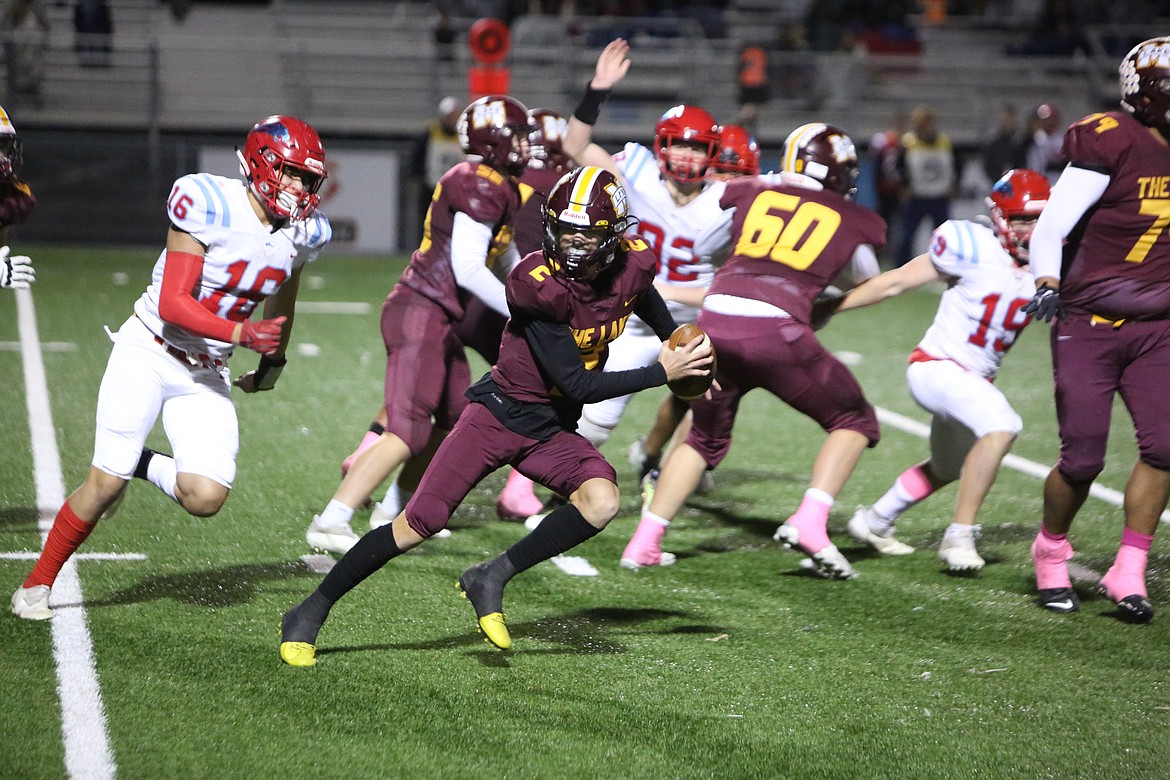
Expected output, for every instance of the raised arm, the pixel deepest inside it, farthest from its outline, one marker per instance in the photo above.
(612, 65)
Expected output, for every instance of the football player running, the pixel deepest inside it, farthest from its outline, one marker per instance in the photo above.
(16, 203)
(790, 234)
(466, 250)
(230, 245)
(568, 303)
(739, 155)
(1107, 295)
(673, 201)
(952, 370)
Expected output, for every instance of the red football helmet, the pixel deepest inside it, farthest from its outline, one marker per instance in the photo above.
(1145, 82)
(495, 129)
(824, 153)
(687, 125)
(277, 145)
(739, 154)
(546, 139)
(589, 205)
(10, 147)
(1016, 201)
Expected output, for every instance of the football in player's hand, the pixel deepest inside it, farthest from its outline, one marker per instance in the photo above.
(691, 387)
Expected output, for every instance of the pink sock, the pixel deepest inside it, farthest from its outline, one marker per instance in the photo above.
(908, 489)
(645, 547)
(1050, 554)
(812, 520)
(366, 442)
(1127, 575)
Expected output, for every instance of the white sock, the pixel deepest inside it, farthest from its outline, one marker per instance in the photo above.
(335, 515)
(395, 500)
(162, 472)
(648, 515)
(957, 531)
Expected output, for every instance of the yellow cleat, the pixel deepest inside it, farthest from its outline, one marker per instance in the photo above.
(494, 630)
(303, 653)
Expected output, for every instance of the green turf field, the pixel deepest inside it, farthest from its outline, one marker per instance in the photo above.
(734, 663)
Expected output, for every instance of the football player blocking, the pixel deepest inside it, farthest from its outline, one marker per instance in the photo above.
(568, 303)
(1107, 296)
(757, 314)
(230, 245)
(952, 370)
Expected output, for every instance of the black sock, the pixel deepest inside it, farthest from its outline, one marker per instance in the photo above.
(372, 552)
(562, 530)
(144, 462)
(377, 428)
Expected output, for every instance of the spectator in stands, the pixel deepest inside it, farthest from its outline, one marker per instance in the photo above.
(25, 30)
(1045, 138)
(444, 39)
(94, 26)
(441, 150)
(929, 174)
(1006, 144)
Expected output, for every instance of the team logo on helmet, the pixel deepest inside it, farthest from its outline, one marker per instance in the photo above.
(1144, 78)
(585, 217)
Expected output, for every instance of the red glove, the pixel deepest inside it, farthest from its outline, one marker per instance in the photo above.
(262, 336)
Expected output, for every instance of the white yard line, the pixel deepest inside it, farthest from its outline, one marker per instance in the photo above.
(83, 716)
(1023, 465)
(333, 307)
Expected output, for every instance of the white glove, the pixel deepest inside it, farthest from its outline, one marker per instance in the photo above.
(16, 272)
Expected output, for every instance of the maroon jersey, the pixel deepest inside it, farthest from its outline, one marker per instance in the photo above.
(790, 242)
(596, 316)
(528, 226)
(480, 192)
(1117, 262)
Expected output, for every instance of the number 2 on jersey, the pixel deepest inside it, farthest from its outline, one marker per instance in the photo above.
(796, 241)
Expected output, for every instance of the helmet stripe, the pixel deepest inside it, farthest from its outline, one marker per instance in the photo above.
(579, 198)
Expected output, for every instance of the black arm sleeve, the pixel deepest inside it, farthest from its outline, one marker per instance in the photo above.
(651, 309)
(556, 353)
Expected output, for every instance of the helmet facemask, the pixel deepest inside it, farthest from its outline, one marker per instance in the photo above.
(279, 153)
(11, 155)
(585, 218)
(1015, 203)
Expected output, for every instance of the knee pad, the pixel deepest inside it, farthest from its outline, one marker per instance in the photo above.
(427, 514)
(1077, 474)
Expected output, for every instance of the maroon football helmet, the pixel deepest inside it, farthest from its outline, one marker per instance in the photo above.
(494, 128)
(824, 153)
(589, 204)
(739, 154)
(1145, 82)
(277, 145)
(1016, 201)
(10, 147)
(688, 125)
(546, 140)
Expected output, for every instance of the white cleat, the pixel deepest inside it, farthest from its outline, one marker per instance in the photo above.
(666, 559)
(534, 521)
(886, 545)
(828, 562)
(380, 517)
(32, 603)
(959, 554)
(337, 539)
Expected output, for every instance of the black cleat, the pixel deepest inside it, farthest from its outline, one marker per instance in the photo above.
(485, 590)
(298, 635)
(1133, 608)
(1063, 600)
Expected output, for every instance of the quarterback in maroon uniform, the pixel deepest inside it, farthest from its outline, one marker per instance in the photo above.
(568, 303)
(1107, 294)
(465, 250)
(790, 235)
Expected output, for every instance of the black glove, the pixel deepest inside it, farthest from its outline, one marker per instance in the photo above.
(1045, 305)
(825, 306)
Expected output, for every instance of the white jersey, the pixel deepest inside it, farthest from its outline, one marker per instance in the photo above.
(670, 230)
(244, 261)
(979, 316)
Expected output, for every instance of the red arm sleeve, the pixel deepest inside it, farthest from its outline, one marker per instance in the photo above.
(177, 304)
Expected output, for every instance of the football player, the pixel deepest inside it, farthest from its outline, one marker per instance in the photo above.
(953, 368)
(16, 203)
(673, 201)
(568, 303)
(790, 234)
(1107, 295)
(466, 250)
(739, 154)
(230, 245)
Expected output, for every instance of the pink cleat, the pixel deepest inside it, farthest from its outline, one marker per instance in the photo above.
(517, 501)
(645, 547)
(367, 441)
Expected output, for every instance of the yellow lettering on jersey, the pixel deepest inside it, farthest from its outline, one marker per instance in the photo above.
(491, 174)
(795, 242)
(1154, 186)
(592, 341)
(1104, 122)
(1159, 209)
(540, 273)
(633, 244)
(426, 239)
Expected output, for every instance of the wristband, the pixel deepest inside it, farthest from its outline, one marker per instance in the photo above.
(590, 106)
(268, 372)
